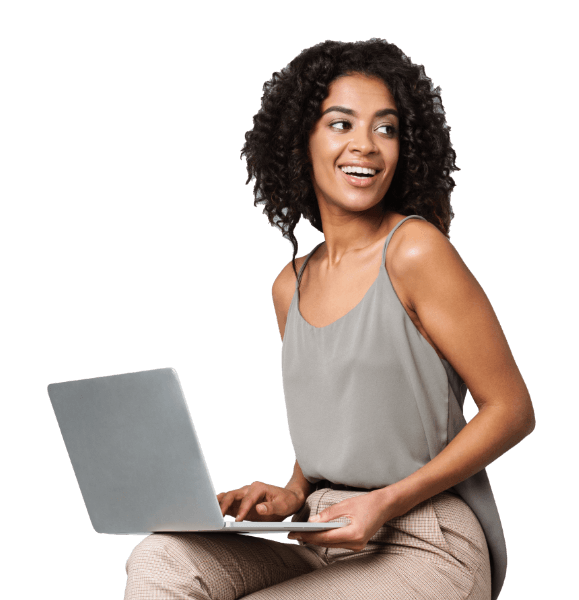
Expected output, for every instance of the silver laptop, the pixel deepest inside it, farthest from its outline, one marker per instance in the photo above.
(137, 459)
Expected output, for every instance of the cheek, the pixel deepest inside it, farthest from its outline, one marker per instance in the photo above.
(324, 162)
(391, 156)
(326, 148)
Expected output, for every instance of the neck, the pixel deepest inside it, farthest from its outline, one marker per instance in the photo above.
(350, 232)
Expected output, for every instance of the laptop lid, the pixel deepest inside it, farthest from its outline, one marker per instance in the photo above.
(137, 459)
(135, 453)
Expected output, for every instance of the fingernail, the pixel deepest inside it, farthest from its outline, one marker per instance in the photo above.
(314, 518)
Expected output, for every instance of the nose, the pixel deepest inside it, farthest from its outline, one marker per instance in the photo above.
(362, 141)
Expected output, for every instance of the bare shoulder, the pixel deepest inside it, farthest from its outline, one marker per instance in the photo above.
(284, 284)
(419, 253)
(418, 246)
(283, 290)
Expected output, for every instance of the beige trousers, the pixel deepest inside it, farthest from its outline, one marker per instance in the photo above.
(436, 551)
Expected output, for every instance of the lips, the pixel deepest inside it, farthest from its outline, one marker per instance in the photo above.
(360, 182)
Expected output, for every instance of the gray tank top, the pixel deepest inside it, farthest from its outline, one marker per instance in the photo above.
(369, 401)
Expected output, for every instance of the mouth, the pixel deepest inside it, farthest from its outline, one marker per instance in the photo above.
(359, 179)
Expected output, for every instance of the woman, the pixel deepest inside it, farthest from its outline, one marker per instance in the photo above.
(383, 330)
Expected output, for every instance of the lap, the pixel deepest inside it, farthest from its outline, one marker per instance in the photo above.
(435, 551)
(368, 576)
(225, 565)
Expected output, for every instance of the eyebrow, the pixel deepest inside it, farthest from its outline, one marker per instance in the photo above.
(349, 111)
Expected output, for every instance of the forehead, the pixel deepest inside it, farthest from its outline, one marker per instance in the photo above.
(357, 91)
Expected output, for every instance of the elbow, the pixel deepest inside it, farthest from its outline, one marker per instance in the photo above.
(530, 424)
(530, 416)
(528, 421)
(517, 423)
(525, 414)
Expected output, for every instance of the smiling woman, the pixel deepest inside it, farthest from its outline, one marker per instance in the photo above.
(410, 115)
(384, 328)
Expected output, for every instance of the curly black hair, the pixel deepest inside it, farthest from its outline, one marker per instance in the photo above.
(276, 147)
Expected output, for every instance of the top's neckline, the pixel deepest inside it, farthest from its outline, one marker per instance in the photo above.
(383, 269)
(297, 298)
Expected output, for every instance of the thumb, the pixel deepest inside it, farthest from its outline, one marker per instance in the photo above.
(270, 508)
(325, 515)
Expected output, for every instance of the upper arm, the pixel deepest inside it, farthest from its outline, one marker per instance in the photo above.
(458, 317)
(282, 292)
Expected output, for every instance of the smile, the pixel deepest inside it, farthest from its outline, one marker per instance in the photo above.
(362, 178)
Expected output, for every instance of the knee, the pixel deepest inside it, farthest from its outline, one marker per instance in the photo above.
(154, 549)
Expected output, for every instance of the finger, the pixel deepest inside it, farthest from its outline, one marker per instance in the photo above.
(255, 493)
(230, 501)
(245, 507)
(318, 541)
(229, 505)
(340, 535)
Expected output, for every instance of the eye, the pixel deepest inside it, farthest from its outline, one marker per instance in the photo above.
(391, 128)
(340, 123)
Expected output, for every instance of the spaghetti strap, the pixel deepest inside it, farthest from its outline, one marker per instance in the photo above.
(392, 233)
(298, 280)
(380, 273)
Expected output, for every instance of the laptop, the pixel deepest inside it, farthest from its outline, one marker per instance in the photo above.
(137, 459)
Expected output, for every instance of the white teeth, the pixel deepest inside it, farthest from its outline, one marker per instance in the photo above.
(365, 171)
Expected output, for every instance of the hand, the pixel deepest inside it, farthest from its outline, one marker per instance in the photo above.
(366, 512)
(273, 503)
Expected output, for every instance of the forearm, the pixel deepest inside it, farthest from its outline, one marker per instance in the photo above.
(299, 484)
(492, 432)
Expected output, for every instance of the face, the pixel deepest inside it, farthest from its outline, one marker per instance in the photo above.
(358, 128)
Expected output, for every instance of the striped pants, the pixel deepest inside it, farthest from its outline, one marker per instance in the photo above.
(436, 551)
